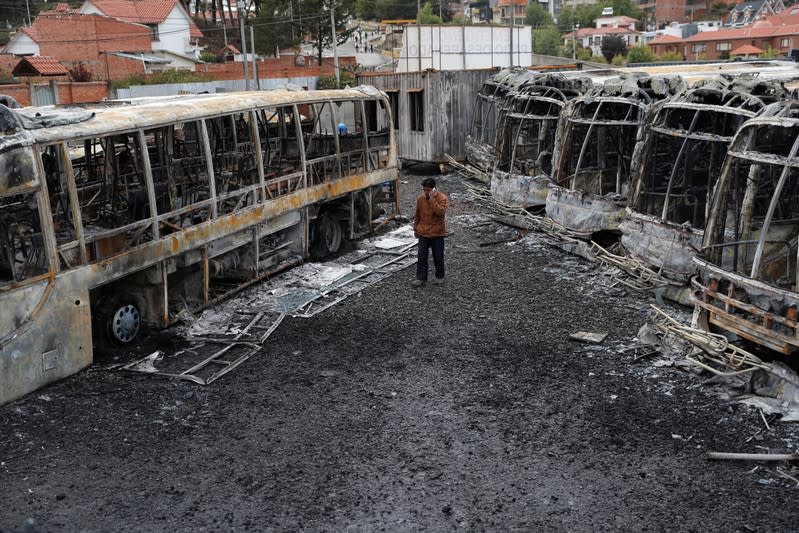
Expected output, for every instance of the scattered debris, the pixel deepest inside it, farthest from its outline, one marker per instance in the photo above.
(589, 336)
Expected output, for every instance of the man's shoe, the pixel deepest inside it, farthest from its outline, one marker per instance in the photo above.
(417, 283)
(438, 281)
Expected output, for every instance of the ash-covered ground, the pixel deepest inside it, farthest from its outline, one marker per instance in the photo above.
(456, 407)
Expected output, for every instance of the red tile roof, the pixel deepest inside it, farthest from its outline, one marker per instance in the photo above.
(665, 39)
(749, 32)
(746, 50)
(142, 11)
(43, 65)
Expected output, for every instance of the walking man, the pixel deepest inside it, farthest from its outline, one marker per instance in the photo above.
(429, 227)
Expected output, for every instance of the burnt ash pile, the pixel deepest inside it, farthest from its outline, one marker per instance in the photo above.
(464, 406)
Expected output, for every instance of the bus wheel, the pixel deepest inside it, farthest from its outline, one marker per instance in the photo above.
(121, 320)
(327, 240)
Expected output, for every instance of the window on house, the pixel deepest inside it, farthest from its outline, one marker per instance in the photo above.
(785, 43)
(723, 47)
(698, 48)
(416, 110)
(154, 31)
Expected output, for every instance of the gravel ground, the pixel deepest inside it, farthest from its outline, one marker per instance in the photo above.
(464, 406)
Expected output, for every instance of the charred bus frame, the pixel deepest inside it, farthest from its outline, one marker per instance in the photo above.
(122, 215)
(747, 282)
(593, 151)
(525, 137)
(481, 139)
(676, 166)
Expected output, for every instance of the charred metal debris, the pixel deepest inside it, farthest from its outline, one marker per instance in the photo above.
(695, 188)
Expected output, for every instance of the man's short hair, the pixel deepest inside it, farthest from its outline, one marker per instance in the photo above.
(429, 182)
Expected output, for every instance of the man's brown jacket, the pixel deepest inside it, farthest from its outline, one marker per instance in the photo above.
(428, 221)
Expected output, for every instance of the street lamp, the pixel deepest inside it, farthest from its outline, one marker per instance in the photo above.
(575, 28)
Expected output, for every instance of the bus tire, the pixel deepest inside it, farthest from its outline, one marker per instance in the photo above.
(327, 236)
(119, 319)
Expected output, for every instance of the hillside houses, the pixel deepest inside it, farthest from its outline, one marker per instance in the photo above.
(779, 33)
(171, 28)
(113, 38)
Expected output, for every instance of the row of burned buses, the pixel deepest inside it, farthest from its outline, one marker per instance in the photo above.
(699, 180)
(119, 215)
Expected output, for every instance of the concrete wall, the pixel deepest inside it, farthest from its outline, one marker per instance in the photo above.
(464, 47)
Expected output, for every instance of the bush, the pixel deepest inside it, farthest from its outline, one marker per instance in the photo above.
(208, 57)
(618, 61)
(158, 78)
(670, 56)
(771, 53)
(329, 82)
(640, 54)
(585, 54)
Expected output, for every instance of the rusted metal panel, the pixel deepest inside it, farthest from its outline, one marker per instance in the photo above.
(585, 212)
(47, 340)
(670, 248)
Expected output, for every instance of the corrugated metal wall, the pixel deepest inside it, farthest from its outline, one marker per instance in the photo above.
(448, 104)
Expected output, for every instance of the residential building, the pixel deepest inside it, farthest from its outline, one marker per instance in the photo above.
(512, 11)
(746, 13)
(591, 38)
(747, 41)
(620, 21)
(171, 27)
(105, 47)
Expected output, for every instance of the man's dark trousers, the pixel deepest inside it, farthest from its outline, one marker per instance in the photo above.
(425, 244)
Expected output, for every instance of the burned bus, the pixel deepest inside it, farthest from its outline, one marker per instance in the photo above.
(747, 272)
(676, 165)
(121, 215)
(525, 137)
(594, 145)
(481, 139)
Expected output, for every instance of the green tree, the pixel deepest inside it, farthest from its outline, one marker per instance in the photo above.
(640, 54)
(366, 9)
(771, 53)
(426, 15)
(395, 9)
(275, 28)
(546, 41)
(537, 16)
(612, 46)
(318, 26)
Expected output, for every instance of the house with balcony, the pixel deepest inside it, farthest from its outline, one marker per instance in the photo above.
(171, 28)
(512, 11)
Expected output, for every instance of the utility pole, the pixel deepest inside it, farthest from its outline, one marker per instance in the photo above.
(256, 83)
(335, 45)
(240, 9)
(512, 23)
(419, 32)
(575, 27)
